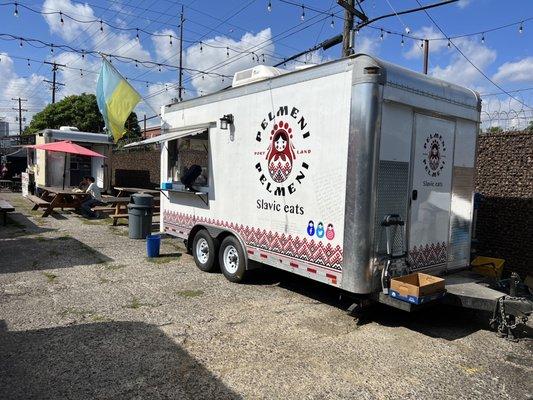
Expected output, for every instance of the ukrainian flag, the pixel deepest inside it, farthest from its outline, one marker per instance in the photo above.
(116, 99)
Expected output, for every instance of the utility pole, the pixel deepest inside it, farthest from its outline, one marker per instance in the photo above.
(180, 97)
(347, 30)
(53, 82)
(20, 109)
(426, 55)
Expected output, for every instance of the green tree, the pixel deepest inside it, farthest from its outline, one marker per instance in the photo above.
(530, 126)
(80, 111)
(495, 129)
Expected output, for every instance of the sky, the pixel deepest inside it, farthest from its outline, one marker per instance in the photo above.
(222, 37)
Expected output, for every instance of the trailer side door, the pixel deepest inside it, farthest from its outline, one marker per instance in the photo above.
(431, 187)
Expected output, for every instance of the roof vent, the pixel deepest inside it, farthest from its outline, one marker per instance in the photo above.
(255, 74)
(68, 128)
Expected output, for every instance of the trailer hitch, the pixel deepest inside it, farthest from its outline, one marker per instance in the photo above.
(509, 313)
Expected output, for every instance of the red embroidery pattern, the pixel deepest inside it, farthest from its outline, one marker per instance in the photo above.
(427, 255)
(316, 252)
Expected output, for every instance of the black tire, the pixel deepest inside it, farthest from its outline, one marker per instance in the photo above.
(204, 250)
(234, 270)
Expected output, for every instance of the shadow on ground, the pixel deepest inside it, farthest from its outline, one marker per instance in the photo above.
(39, 253)
(440, 321)
(20, 225)
(111, 360)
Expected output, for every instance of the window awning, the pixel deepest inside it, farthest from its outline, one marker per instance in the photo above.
(175, 133)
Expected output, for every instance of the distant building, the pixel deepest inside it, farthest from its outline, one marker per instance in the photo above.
(4, 128)
(151, 132)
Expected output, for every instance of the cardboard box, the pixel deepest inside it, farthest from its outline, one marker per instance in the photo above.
(417, 288)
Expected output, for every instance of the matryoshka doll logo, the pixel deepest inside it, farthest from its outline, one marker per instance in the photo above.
(280, 153)
(330, 232)
(434, 154)
(320, 230)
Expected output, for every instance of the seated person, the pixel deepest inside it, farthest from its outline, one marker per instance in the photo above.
(94, 200)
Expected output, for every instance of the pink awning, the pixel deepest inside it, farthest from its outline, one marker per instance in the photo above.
(66, 147)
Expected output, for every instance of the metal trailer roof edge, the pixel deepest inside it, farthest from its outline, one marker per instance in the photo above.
(77, 136)
(394, 76)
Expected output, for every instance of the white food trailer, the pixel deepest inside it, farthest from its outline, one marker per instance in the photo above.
(346, 173)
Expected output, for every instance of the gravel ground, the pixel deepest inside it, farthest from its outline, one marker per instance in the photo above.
(84, 314)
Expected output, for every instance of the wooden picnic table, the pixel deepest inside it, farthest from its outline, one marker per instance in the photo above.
(55, 197)
(119, 207)
(5, 207)
(123, 190)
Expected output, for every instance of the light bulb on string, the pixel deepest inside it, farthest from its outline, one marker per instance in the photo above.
(81, 73)
(227, 51)
(421, 44)
(20, 43)
(407, 30)
(101, 26)
(449, 43)
(203, 77)
(147, 84)
(201, 47)
(263, 56)
(302, 17)
(137, 35)
(269, 7)
(170, 39)
(16, 12)
(381, 35)
(332, 21)
(61, 18)
(402, 42)
(520, 28)
(29, 63)
(483, 38)
(159, 67)
(136, 65)
(52, 48)
(83, 54)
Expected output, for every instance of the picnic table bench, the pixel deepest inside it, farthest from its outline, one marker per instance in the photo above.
(5, 207)
(52, 198)
(118, 207)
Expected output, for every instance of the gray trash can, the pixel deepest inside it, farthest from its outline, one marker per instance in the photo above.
(140, 215)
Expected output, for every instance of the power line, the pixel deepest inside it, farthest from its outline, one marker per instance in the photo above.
(469, 61)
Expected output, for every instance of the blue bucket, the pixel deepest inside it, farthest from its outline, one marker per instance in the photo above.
(153, 243)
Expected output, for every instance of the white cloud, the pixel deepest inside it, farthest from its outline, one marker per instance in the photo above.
(463, 3)
(75, 82)
(108, 41)
(209, 57)
(70, 29)
(459, 70)
(519, 71)
(435, 46)
(366, 44)
(163, 49)
(13, 85)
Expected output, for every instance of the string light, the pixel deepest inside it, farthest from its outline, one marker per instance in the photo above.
(136, 64)
(381, 36)
(269, 7)
(402, 42)
(170, 37)
(483, 38)
(16, 12)
(147, 84)
(449, 43)
(421, 43)
(101, 26)
(332, 21)
(29, 63)
(227, 51)
(137, 35)
(20, 43)
(61, 18)
(263, 58)
(159, 67)
(83, 54)
(302, 17)
(520, 28)
(52, 48)
(81, 73)
(407, 30)
(201, 47)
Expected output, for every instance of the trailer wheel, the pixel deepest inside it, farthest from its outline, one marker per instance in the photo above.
(204, 250)
(231, 259)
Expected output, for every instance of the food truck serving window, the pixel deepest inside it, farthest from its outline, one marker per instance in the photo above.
(185, 152)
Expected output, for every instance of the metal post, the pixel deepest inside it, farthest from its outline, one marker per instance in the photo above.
(426, 55)
(181, 57)
(54, 83)
(20, 109)
(144, 126)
